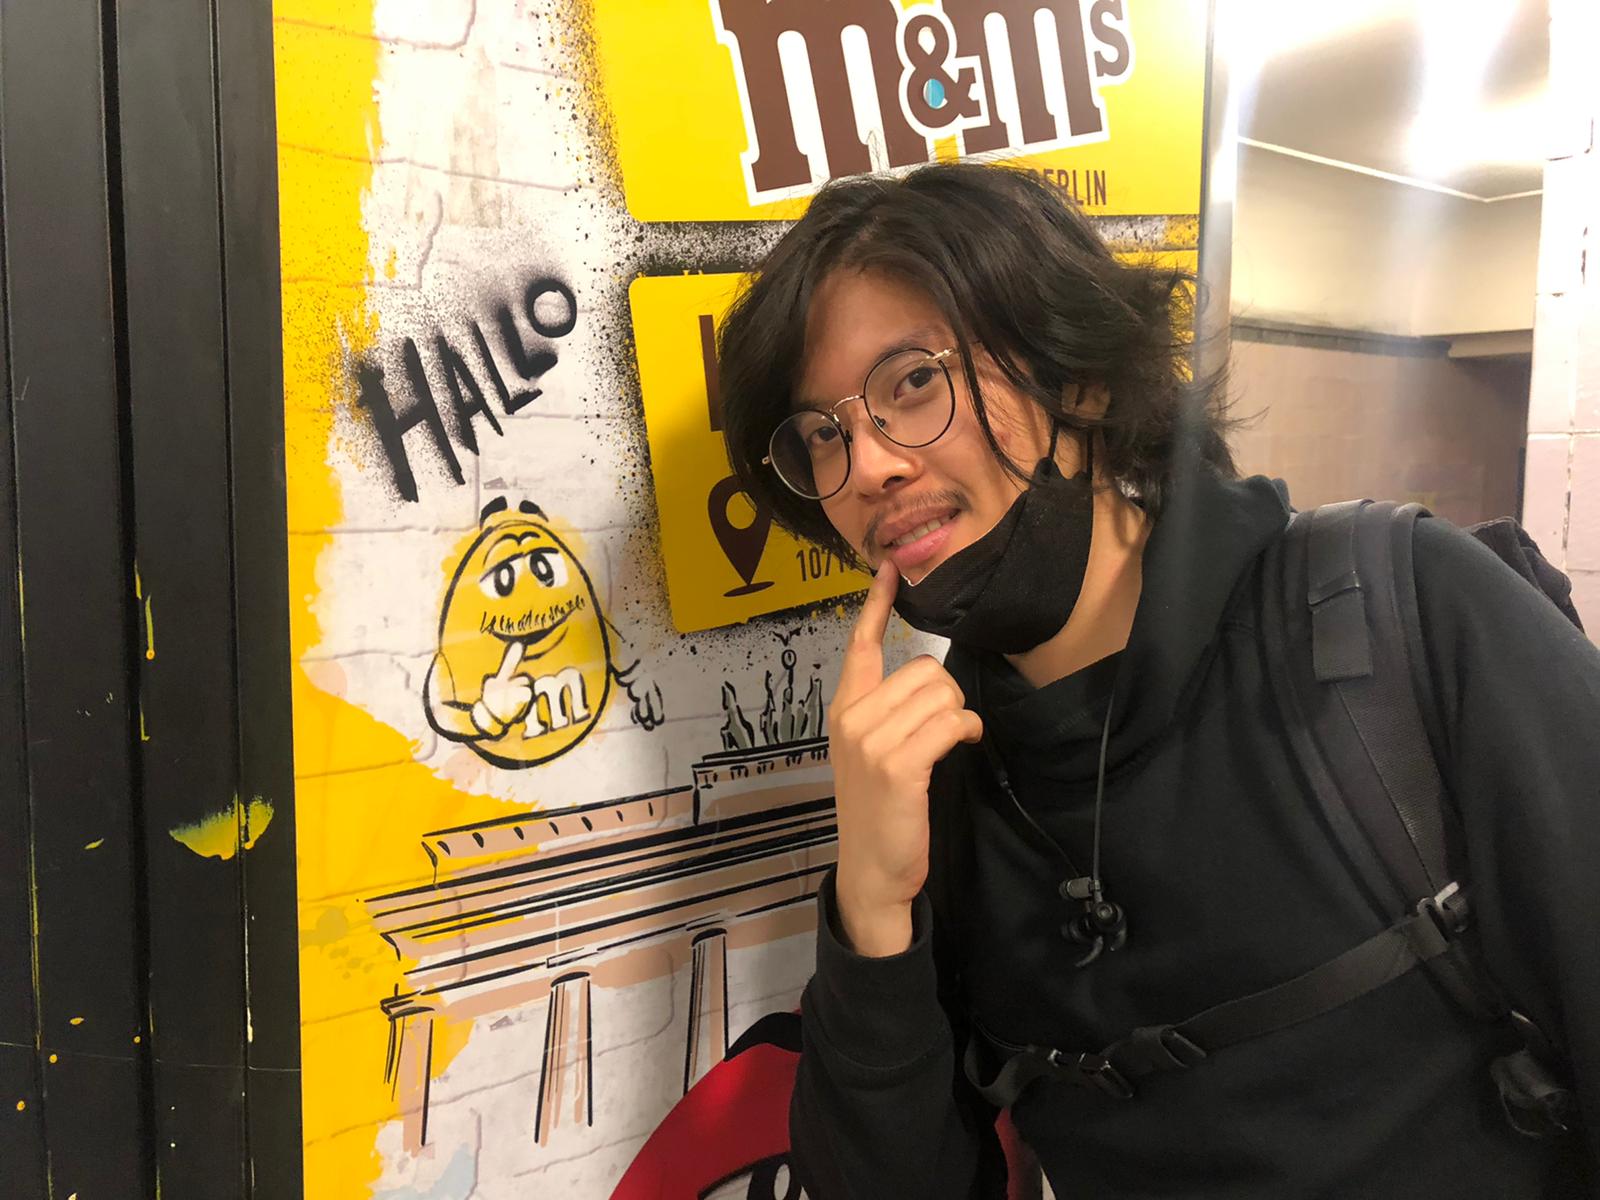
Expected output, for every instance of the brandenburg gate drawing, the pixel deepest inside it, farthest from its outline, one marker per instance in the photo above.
(545, 905)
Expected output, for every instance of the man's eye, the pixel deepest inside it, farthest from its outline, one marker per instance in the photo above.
(915, 384)
(822, 436)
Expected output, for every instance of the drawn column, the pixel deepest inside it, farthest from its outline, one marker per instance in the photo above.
(409, 1069)
(708, 1005)
(566, 1093)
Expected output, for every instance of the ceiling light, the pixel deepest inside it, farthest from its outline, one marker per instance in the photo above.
(1258, 30)
(1441, 141)
(1453, 128)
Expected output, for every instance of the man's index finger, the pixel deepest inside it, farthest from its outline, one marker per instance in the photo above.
(863, 658)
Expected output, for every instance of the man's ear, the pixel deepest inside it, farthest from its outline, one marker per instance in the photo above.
(1089, 399)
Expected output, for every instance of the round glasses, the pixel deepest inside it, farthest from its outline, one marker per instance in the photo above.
(908, 397)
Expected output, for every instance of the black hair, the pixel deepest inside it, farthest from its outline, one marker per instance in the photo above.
(1012, 266)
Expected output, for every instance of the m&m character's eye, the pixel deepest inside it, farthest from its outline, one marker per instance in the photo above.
(505, 577)
(548, 567)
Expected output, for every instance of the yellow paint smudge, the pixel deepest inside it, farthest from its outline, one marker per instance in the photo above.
(52, 1058)
(224, 834)
(137, 1039)
(21, 1104)
(75, 1021)
(329, 129)
(149, 627)
(96, 844)
(144, 734)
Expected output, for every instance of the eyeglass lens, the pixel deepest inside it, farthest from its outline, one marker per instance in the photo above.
(907, 396)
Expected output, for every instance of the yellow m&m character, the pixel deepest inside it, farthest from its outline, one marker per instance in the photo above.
(523, 669)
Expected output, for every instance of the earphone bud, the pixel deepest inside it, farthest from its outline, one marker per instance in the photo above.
(1104, 919)
(1102, 925)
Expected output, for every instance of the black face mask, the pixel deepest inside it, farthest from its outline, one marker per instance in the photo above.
(1014, 587)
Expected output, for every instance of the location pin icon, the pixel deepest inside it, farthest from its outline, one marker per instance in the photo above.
(743, 544)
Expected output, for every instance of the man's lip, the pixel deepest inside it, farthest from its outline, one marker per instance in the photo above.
(924, 553)
(905, 523)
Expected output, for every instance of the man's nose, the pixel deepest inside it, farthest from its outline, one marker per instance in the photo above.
(875, 461)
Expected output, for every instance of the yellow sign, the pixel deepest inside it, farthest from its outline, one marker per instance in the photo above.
(725, 560)
(733, 110)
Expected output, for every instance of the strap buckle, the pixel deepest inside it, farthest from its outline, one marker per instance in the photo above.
(1092, 1070)
(1155, 1048)
(1448, 910)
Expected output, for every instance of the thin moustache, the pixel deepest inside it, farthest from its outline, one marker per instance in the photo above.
(934, 502)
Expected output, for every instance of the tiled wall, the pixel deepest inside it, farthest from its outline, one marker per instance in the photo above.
(1561, 502)
(1340, 424)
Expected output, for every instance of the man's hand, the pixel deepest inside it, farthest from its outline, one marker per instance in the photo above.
(886, 735)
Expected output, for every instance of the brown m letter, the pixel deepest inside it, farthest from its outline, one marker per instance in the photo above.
(1083, 117)
(758, 24)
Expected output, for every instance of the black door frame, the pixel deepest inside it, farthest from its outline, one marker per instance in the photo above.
(149, 1015)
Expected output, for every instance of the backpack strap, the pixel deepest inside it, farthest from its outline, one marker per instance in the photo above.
(1420, 938)
(1366, 688)
(1322, 604)
(1366, 699)
(1359, 701)
(1358, 713)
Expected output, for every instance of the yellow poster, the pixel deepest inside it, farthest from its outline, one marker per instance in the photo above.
(560, 818)
(736, 110)
(725, 560)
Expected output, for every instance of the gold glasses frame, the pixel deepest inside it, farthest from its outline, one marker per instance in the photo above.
(831, 413)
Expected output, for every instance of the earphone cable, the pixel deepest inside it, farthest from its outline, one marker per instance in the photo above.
(1100, 792)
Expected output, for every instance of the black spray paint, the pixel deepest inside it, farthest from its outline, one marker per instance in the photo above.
(397, 408)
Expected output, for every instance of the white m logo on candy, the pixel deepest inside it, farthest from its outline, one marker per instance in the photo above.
(566, 698)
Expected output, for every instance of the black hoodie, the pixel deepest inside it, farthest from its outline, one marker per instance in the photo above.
(1215, 850)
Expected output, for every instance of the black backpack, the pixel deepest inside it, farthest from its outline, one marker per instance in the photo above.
(1359, 708)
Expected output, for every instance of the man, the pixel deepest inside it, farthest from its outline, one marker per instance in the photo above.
(948, 376)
